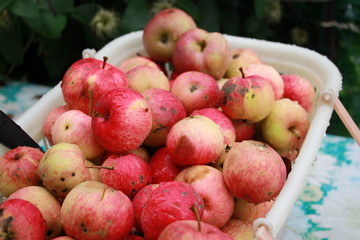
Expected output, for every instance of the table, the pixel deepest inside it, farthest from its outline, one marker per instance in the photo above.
(328, 206)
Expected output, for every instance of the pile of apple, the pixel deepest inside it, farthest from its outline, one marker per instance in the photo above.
(142, 152)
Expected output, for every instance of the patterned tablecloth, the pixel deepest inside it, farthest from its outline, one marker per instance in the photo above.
(329, 204)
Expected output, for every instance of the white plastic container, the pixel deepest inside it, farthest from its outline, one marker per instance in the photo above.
(286, 58)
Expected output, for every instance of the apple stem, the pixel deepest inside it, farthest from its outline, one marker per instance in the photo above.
(195, 211)
(242, 72)
(102, 167)
(295, 132)
(104, 63)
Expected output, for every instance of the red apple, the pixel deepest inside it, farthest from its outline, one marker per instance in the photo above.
(244, 130)
(144, 77)
(134, 237)
(191, 230)
(20, 219)
(64, 238)
(238, 229)
(199, 50)
(169, 202)
(195, 140)
(196, 90)
(286, 126)
(299, 89)
(139, 203)
(249, 212)
(166, 110)
(240, 58)
(268, 72)
(163, 30)
(162, 168)
(95, 211)
(254, 171)
(87, 80)
(74, 126)
(122, 120)
(209, 183)
(222, 120)
(48, 205)
(248, 98)
(50, 120)
(18, 169)
(125, 172)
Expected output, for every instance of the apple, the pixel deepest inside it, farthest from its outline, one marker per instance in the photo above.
(95, 211)
(268, 72)
(162, 168)
(144, 77)
(192, 230)
(134, 237)
(222, 120)
(125, 172)
(286, 126)
(162, 32)
(48, 205)
(74, 126)
(86, 80)
(20, 219)
(93, 169)
(139, 203)
(136, 61)
(196, 90)
(248, 98)
(64, 238)
(142, 152)
(240, 58)
(238, 229)
(50, 120)
(169, 202)
(244, 130)
(166, 110)
(122, 120)
(199, 50)
(299, 89)
(194, 140)
(18, 169)
(249, 212)
(62, 167)
(220, 82)
(209, 183)
(254, 171)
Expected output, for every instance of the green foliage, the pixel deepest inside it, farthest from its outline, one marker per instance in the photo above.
(40, 39)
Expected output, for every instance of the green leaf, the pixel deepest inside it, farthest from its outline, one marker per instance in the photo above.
(24, 8)
(62, 6)
(48, 24)
(85, 12)
(4, 4)
(136, 15)
(11, 46)
(260, 8)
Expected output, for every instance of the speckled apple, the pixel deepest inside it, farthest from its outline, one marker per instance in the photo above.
(122, 120)
(248, 98)
(254, 171)
(169, 202)
(166, 110)
(240, 58)
(195, 140)
(95, 211)
(20, 219)
(18, 169)
(129, 173)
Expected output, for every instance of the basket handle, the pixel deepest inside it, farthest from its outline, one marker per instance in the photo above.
(263, 234)
(347, 120)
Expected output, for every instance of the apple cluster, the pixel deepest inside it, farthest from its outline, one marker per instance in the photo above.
(192, 141)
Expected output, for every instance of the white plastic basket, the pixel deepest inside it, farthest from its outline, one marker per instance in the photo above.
(286, 58)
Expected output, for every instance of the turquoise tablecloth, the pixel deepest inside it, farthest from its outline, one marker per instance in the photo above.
(328, 206)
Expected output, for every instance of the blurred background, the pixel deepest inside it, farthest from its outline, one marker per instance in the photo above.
(40, 39)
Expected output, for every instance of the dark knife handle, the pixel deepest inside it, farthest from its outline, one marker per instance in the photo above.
(12, 135)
